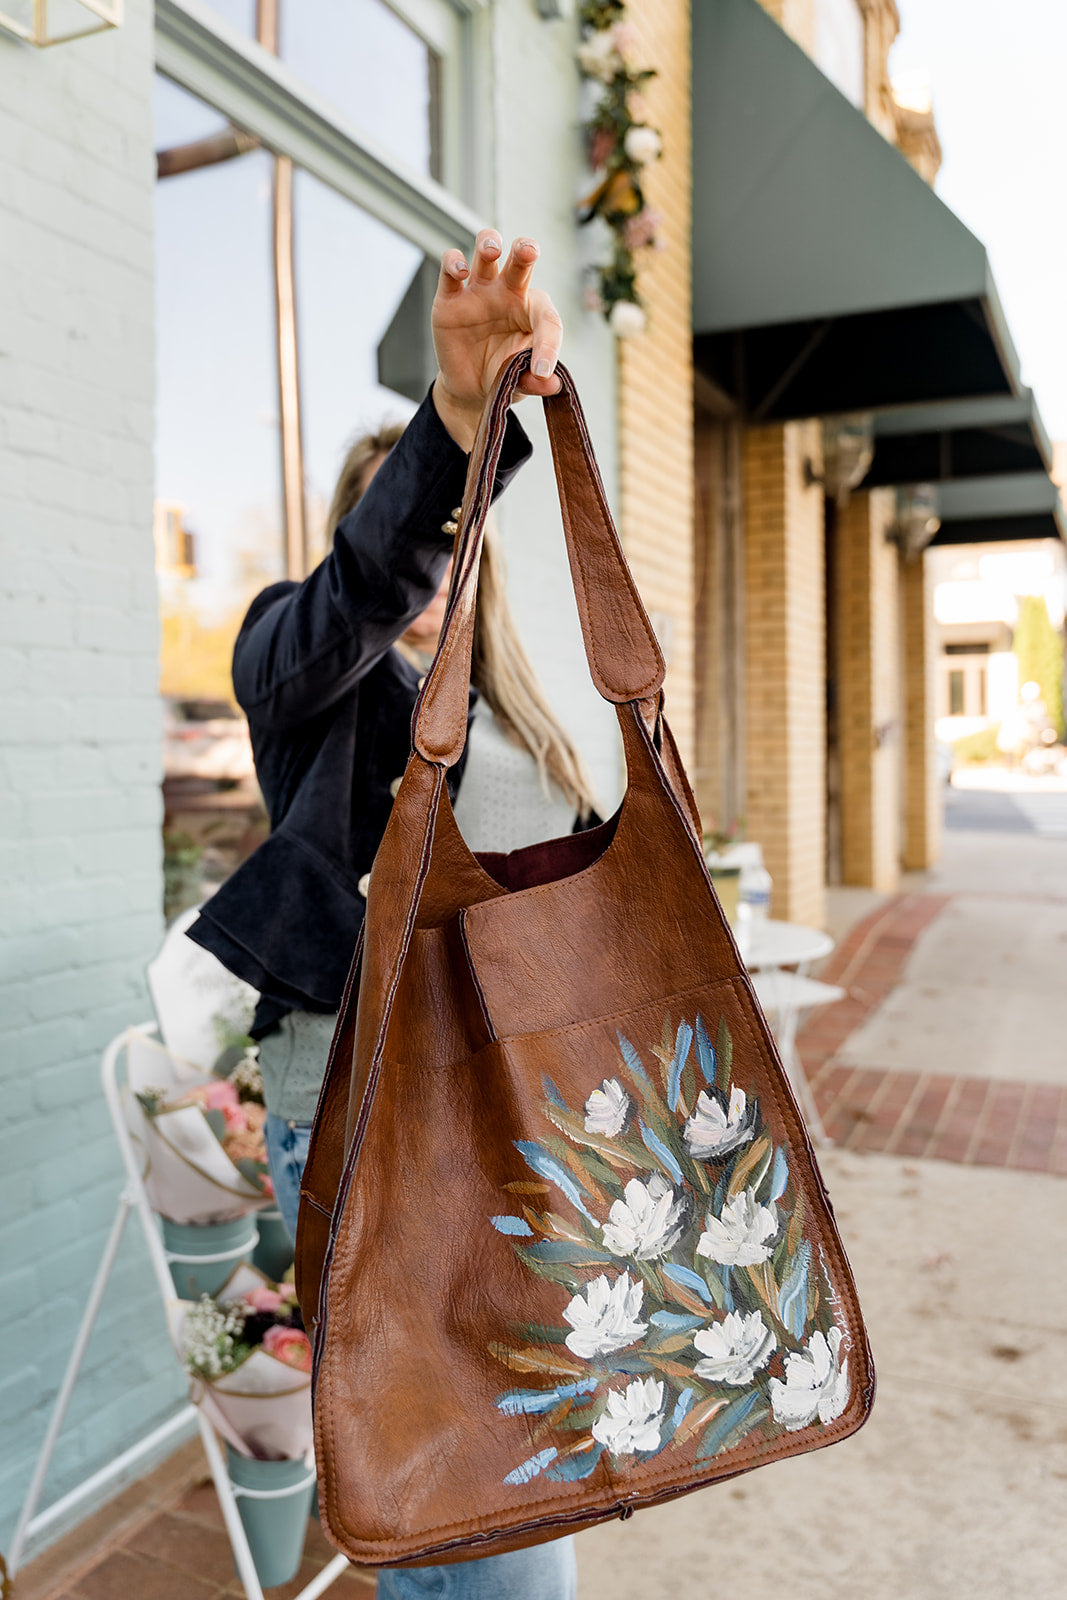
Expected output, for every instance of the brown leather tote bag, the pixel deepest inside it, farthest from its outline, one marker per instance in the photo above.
(563, 1246)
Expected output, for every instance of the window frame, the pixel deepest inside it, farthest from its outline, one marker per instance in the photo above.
(205, 55)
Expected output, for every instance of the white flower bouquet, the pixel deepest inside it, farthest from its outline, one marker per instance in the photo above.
(695, 1312)
(249, 1364)
(202, 1137)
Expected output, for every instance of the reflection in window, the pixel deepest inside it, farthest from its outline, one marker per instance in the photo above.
(371, 67)
(351, 273)
(217, 428)
(955, 693)
(240, 14)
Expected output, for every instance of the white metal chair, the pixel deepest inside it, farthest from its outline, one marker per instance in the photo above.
(785, 996)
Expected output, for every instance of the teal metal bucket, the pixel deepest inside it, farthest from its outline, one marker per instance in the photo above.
(273, 1254)
(274, 1502)
(202, 1256)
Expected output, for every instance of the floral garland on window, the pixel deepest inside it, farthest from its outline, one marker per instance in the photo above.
(621, 144)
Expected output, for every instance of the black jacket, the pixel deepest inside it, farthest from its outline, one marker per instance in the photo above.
(329, 706)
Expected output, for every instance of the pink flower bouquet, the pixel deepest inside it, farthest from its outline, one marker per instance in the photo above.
(249, 1363)
(202, 1138)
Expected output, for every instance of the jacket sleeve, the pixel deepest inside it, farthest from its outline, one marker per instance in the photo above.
(303, 646)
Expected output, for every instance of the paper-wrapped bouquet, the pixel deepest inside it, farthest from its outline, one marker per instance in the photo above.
(201, 1137)
(249, 1363)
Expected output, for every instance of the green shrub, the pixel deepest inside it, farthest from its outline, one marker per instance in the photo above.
(975, 748)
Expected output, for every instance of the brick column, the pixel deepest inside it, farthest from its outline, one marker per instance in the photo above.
(922, 790)
(785, 666)
(656, 373)
(868, 676)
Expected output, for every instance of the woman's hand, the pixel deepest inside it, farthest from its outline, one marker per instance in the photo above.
(483, 315)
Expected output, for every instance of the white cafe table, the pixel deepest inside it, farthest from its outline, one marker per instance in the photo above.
(772, 949)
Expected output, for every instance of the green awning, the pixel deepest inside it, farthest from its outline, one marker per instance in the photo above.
(1017, 505)
(827, 276)
(959, 439)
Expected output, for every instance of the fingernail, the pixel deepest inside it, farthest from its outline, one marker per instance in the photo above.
(458, 267)
(542, 368)
(490, 248)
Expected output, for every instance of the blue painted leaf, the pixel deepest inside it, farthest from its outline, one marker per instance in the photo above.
(657, 1148)
(681, 1051)
(547, 1166)
(779, 1174)
(580, 1465)
(532, 1402)
(793, 1295)
(705, 1052)
(516, 1225)
(527, 1402)
(552, 1092)
(727, 1423)
(632, 1059)
(688, 1280)
(684, 1401)
(676, 1321)
(532, 1468)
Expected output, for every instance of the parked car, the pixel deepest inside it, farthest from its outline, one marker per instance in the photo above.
(205, 739)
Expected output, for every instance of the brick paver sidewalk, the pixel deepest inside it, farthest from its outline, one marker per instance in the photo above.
(948, 1116)
(167, 1542)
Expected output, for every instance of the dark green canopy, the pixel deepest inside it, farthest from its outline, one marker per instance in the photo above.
(827, 276)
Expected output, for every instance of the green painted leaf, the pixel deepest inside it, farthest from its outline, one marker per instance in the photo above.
(724, 1056)
(738, 1418)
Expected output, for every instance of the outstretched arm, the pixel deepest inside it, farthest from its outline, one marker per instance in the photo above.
(303, 646)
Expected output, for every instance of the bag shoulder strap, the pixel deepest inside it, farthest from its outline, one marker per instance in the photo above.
(625, 660)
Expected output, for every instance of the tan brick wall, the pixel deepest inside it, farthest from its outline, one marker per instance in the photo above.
(868, 690)
(922, 798)
(797, 18)
(656, 372)
(785, 666)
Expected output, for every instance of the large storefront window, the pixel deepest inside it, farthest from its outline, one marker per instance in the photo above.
(274, 293)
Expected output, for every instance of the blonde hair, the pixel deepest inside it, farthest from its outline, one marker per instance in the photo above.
(500, 668)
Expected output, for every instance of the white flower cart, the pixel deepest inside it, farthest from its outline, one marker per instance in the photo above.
(133, 1198)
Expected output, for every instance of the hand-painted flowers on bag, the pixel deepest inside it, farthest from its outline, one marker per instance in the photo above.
(693, 1307)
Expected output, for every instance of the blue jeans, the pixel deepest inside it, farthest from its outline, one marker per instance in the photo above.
(543, 1572)
(287, 1151)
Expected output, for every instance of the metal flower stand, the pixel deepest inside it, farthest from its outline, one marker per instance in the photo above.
(31, 1521)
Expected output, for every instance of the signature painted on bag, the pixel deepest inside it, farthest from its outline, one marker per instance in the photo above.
(696, 1307)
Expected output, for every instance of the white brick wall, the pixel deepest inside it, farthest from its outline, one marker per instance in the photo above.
(79, 723)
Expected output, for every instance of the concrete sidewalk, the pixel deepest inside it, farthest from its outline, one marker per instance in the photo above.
(956, 1488)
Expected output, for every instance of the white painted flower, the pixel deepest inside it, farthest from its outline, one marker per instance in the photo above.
(647, 1222)
(642, 145)
(633, 1419)
(816, 1383)
(738, 1236)
(598, 55)
(626, 319)
(607, 1108)
(713, 1130)
(605, 1316)
(734, 1349)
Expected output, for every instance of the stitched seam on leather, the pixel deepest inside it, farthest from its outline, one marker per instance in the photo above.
(373, 1076)
(767, 1450)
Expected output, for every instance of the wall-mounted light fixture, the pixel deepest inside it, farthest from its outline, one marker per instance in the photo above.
(848, 450)
(45, 22)
(917, 520)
